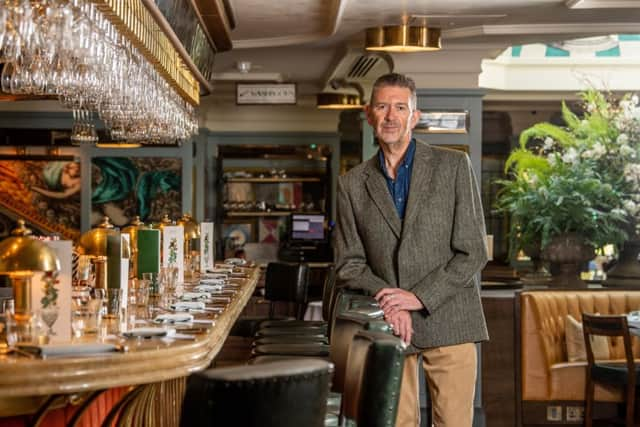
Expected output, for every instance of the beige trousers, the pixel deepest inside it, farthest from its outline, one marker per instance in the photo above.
(451, 376)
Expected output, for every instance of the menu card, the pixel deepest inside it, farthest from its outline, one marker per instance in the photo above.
(207, 246)
(62, 326)
(173, 248)
(148, 251)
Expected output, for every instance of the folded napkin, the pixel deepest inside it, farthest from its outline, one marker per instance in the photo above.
(149, 332)
(188, 305)
(188, 296)
(174, 318)
(212, 276)
(209, 288)
(217, 281)
(221, 270)
(235, 261)
(80, 349)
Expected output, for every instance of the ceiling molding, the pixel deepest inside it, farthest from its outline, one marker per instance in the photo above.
(336, 12)
(602, 4)
(542, 29)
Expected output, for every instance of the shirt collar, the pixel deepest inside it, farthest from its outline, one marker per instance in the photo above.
(407, 161)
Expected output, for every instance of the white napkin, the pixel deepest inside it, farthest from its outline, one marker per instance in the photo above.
(189, 296)
(174, 318)
(235, 261)
(188, 305)
(211, 276)
(214, 281)
(209, 288)
(149, 332)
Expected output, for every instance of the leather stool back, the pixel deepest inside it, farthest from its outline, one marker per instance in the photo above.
(291, 393)
(287, 282)
(373, 379)
(346, 326)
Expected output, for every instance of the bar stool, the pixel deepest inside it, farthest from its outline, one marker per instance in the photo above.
(290, 393)
(373, 379)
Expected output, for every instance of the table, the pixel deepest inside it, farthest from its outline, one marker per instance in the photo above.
(155, 366)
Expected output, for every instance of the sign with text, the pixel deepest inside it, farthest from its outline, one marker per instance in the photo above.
(265, 93)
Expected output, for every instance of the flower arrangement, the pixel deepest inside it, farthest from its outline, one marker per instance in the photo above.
(582, 178)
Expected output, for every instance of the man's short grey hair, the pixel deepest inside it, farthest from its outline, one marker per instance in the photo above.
(397, 80)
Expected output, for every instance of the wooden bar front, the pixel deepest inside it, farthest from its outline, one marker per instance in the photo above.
(25, 383)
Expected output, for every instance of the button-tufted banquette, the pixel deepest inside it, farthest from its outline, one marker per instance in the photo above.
(548, 381)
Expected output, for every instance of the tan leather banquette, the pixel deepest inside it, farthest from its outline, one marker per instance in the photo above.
(545, 372)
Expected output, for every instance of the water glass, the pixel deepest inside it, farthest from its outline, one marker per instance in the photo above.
(86, 312)
(114, 302)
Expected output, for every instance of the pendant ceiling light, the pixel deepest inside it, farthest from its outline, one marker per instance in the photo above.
(403, 38)
(340, 100)
(337, 101)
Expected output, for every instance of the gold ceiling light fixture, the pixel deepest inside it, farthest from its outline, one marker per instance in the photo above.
(403, 38)
(340, 100)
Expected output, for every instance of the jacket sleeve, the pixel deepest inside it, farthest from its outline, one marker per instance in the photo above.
(352, 269)
(468, 243)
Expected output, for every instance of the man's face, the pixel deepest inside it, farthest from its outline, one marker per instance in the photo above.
(391, 115)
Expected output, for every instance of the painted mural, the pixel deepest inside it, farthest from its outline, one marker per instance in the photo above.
(46, 193)
(124, 187)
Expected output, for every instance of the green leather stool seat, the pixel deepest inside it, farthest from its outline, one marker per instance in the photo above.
(292, 339)
(268, 358)
(292, 393)
(303, 350)
(373, 380)
(272, 332)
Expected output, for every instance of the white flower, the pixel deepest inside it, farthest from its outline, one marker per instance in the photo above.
(634, 99)
(597, 151)
(552, 159)
(631, 207)
(623, 138)
(632, 173)
(548, 144)
(627, 151)
(571, 156)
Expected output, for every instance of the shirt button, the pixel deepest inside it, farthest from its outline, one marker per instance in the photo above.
(399, 199)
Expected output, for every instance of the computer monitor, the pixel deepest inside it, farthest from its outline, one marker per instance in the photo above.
(308, 228)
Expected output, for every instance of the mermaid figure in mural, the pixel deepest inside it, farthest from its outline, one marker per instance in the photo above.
(119, 176)
(62, 179)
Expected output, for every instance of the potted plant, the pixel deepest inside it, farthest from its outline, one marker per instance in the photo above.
(577, 184)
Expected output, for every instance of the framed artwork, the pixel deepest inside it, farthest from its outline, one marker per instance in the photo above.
(443, 122)
(123, 187)
(45, 192)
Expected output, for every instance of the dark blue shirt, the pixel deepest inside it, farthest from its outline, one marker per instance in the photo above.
(399, 188)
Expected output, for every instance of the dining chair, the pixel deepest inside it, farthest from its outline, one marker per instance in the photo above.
(622, 374)
(290, 393)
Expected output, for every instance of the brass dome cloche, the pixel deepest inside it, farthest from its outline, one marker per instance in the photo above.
(21, 253)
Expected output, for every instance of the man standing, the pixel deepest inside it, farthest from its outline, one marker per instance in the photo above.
(410, 231)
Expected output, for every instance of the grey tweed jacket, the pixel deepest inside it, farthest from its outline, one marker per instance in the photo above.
(436, 252)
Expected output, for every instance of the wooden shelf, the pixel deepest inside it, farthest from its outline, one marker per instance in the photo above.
(272, 180)
(272, 213)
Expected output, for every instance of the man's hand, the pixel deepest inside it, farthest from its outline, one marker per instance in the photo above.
(401, 324)
(393, 300)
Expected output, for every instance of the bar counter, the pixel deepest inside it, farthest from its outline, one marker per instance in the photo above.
(25, 381)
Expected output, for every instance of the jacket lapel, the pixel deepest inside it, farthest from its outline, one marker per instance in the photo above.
(420, 178)
(379, 192)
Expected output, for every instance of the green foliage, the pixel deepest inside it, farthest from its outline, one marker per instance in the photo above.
(582, 178)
